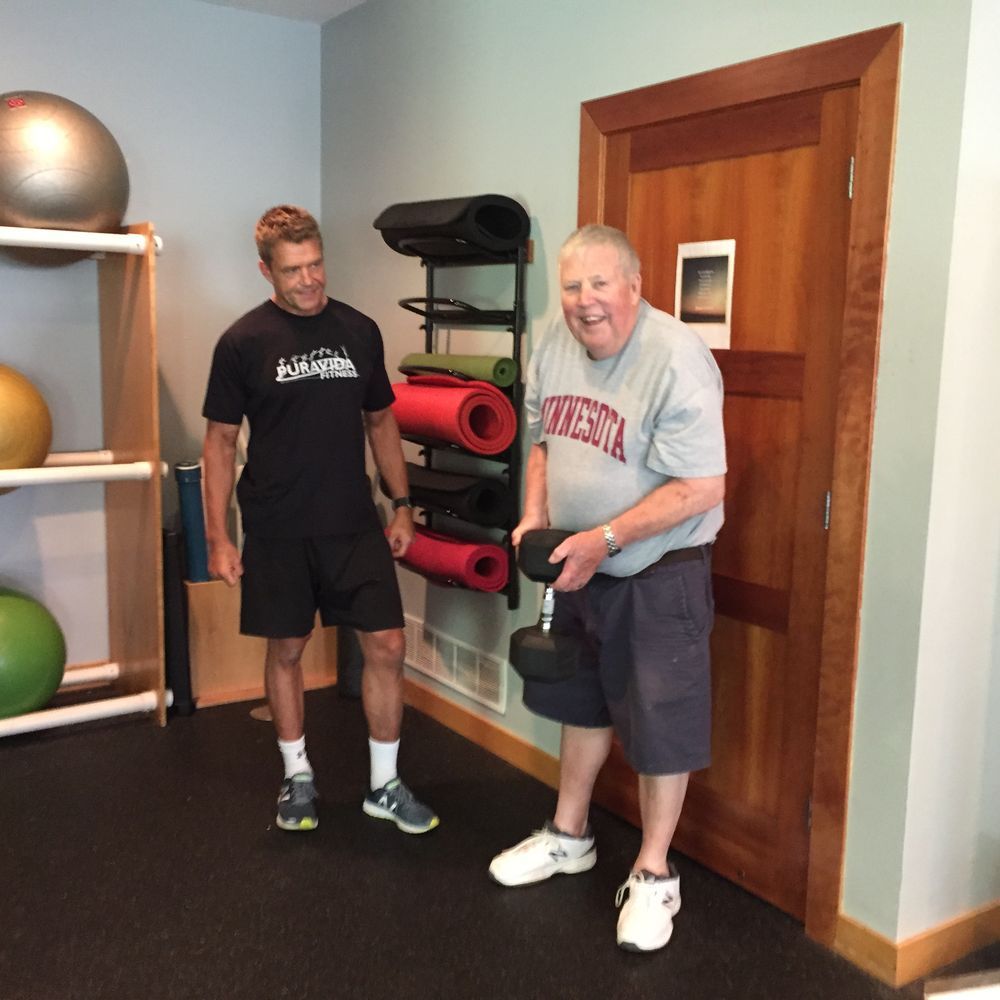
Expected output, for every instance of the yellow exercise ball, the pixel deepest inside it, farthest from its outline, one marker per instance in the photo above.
(25, 423)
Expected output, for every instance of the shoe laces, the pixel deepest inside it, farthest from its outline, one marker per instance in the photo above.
(544, 838)
(658, 892)
(402, 795)
(622, 889)
(550, 839)
(300, 792)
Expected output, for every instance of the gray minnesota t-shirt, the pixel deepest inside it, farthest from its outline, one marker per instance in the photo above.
(618, 428)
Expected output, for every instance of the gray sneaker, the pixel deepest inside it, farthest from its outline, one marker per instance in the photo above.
(297, 803)
(395, 802)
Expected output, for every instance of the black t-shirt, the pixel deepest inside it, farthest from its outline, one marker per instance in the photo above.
(302, 382)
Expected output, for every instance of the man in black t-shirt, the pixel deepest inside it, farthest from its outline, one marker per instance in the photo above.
(308, 374)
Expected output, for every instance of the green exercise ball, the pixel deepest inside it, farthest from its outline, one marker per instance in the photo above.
(32, 654)
(25, 423)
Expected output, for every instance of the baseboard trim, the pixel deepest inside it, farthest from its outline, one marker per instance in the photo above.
(901, 962)
(230, 696)
(498, 741)
(867, 949)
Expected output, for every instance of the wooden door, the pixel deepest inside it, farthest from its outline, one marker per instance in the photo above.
(776, 175)
(789, 212)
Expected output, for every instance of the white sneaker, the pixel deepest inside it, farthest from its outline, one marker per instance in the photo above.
(647, 918)
(544, 854)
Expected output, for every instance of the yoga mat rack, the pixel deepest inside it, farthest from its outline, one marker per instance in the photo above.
(482, 230)
(445, 582)
(457, 313)
(431, 370)
(440, 581)
(436, 443)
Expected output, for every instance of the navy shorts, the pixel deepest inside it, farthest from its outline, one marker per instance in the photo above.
(645, 667)
(349, 579)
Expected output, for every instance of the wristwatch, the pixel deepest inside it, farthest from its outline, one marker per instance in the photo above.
(610, 541)
(402, 502)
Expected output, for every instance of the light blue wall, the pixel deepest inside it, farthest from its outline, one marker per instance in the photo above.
(439, 98)
(217, 113)
(953, 820)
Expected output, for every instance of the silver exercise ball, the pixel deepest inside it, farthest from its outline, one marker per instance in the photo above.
(60, 168)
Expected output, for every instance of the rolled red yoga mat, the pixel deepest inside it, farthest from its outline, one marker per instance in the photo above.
(475, 415)
(477, 565)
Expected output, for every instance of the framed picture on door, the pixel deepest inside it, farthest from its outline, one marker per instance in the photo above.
(703, 295)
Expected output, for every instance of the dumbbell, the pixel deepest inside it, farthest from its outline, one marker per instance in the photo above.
(537, 653)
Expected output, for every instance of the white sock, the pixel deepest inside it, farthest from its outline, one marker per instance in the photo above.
(383, 762)
(293, 753)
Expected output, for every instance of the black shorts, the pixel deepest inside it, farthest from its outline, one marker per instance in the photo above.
(349, 579)
(644, 668)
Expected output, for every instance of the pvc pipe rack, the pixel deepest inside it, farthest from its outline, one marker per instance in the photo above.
(60, 239)
(125, 270)
(69, 467)
(108, 708)
(101, 673)
(61, 458)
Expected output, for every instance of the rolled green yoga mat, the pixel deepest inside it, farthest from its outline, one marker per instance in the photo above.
(498, 371)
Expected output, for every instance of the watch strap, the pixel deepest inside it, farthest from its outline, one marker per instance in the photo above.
(610, 541)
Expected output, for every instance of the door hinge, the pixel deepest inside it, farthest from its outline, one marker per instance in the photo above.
(809, 813)
(850, 180)
(827, 500)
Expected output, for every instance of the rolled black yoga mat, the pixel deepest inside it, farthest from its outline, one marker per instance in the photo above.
(455, 229)
(486, 502)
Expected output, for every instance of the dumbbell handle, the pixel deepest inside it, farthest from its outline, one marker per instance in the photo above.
(534, 551)
(548, 609)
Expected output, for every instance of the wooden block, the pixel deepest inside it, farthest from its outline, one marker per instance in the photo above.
(227, 666)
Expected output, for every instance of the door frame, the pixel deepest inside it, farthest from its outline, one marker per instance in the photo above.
(870, 60)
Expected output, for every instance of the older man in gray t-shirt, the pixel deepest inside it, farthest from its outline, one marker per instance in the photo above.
(624, 408)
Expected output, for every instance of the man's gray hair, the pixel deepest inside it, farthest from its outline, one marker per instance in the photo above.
(596, 235)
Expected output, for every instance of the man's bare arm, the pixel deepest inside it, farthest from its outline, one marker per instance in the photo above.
(219, 456)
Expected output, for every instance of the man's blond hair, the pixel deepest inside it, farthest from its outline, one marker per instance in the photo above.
(284, 222)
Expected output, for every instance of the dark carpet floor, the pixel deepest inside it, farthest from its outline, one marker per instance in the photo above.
(143, 863)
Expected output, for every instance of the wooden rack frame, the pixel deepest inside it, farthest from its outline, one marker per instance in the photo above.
(133, 508)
